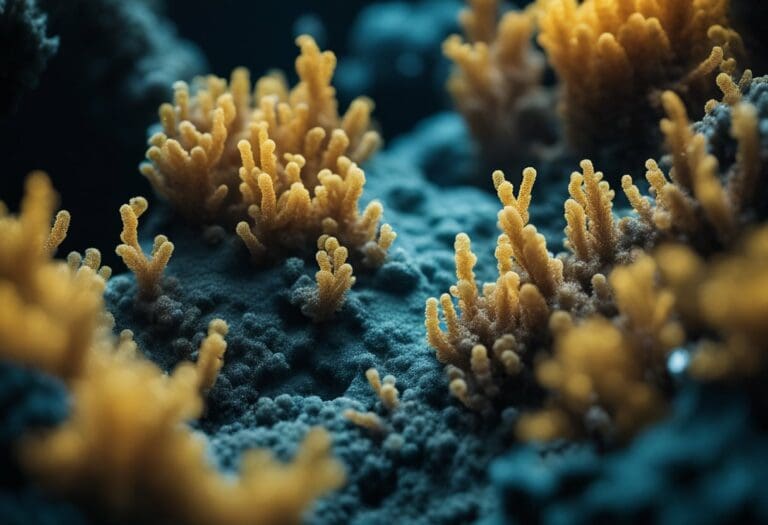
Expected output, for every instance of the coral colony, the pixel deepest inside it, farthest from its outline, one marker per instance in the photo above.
(563, 320)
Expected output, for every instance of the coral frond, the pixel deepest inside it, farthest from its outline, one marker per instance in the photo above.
(388, 395)
(49, 312)
(334, 280)
(591, 232)
(148, 270)
(211, 357)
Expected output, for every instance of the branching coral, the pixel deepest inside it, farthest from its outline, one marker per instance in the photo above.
(150, 466)
(282, 157)
(609, 376)
(50, 313)
(613, 58)
(334, 280)
(521, 240)
(696, 204)
(591, 232)
(211, 357)
(725, 298)
(290, 218)
(503, 318)
(497, 81)
(388, 395)
(148, 270)
(127, 413)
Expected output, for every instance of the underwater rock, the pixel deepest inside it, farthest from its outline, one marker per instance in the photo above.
(27, 48)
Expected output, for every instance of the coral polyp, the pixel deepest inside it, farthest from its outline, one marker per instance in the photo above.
(562, 320)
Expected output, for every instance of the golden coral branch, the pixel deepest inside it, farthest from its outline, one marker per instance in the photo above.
(387, 394)
(211, 355)
(696, 199)
(151, 466)
(591, 232)
(148, 270)
(50, 313)
(481, 322)
(334, 280)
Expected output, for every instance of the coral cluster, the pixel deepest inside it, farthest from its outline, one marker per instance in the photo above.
(126, 411)
(284, 159)
(636, 354)
(726, 298)
(636, 328)
(496, 82)
(615, 58)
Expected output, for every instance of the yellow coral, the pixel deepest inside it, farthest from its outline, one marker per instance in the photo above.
(284, 157)
(388, 395)
(211, 357)
(128, 414)
(148, 270)
(502, 318)
(613, 56)
(284, 214)
(150, 466)
(528, 247)
(593, 366)
(732, 90)
(334, 279)
(696, 203)
(727, 297)
(591, 232)
(49, 312)
(497, 76)
(616, 367)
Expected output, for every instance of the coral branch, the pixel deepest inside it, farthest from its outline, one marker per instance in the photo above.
(211, 357)
(334, 280)
(50, 313)
(148, 270)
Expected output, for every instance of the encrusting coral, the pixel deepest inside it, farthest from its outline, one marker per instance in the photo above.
(614, 58)
(282, 158)
(148, 270)
(126, 411)
(497, 79)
